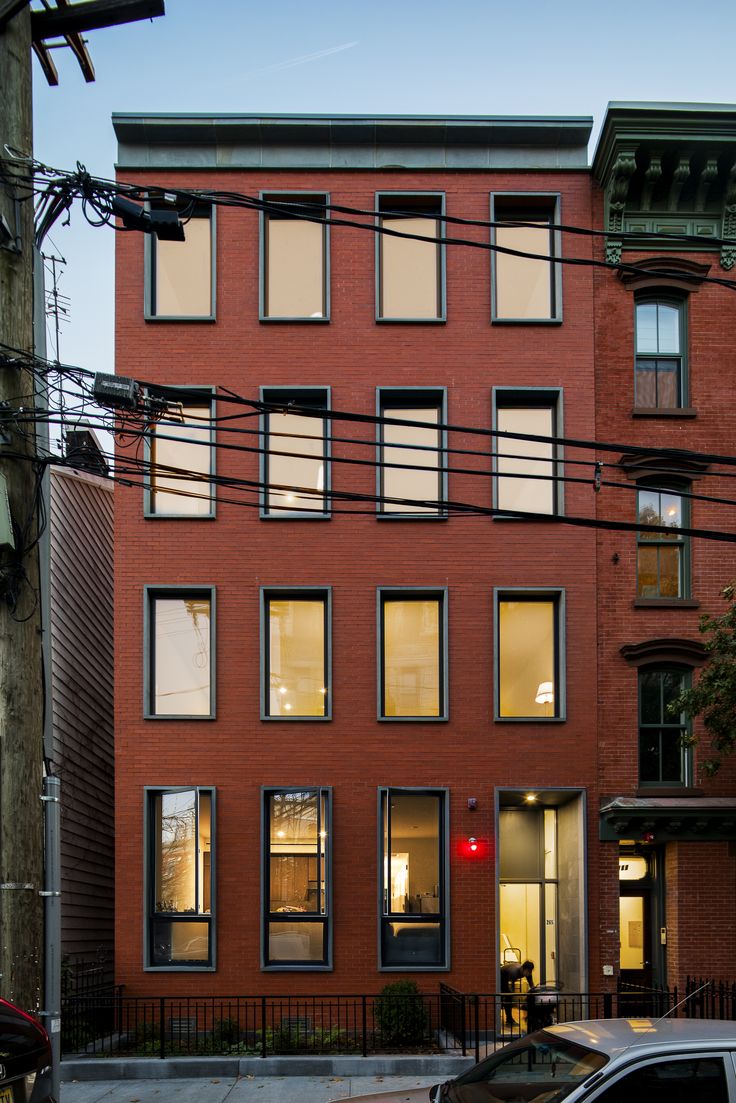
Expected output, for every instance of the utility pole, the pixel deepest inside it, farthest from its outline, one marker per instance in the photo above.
(21, 685)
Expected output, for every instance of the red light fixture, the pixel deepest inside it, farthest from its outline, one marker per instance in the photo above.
(473, 845)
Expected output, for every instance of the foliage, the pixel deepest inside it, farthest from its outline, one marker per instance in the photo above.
(714, 695)
(401, 1015)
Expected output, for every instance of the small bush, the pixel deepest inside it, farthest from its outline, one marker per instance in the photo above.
(401, 1015)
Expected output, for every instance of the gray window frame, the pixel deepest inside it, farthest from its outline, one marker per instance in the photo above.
(302, 396)
(149, 269)
(556, 594)
(189, 396)
(400, 397)
(410, 593)
(680, 303)
(541, 398)
(685, 726)
(537, 201)
(149, 880)
(150, 593)
(297, 592)
(266, 915)
(675, 487)
(305, 195)
(443, 792)
(441, 258)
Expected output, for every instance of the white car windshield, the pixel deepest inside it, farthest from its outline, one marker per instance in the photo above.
(537, 1069)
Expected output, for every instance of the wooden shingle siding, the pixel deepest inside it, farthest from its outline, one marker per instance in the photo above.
(82, 693)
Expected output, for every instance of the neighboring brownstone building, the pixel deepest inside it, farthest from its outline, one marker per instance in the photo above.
(390, 676)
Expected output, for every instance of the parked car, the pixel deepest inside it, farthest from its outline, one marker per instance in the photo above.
(25, 1058)
(599, 1061)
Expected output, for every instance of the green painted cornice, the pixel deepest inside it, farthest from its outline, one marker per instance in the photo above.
(669, 168)
(343, 142)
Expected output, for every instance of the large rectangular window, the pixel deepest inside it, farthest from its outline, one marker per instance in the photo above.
(412, 644)
(527, 469)
(410, 281)
(296, 655)
(295, 457)
(182, 459)
(411, 481)
(294, 258)
(525, 279)
(180, 659)
(180, 826)
(296, 878)
(664, 759)
(529, 681)
(181, 273)
(662, 559)
(413, 879)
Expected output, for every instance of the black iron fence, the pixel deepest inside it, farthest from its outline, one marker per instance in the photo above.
(111, 1023)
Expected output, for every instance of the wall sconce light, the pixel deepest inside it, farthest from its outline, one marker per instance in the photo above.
(473, 845)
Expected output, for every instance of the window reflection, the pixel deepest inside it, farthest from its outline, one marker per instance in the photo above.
(412, 656)
(181, 451)
(527, 662)
(183, 273)
(181, 655)
(297, 684)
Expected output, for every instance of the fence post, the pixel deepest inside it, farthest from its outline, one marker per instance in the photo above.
(463, 1038)
(364, 1012)
(607, 1005)
(476, 1003)
(263, 1026)
(162, 1027)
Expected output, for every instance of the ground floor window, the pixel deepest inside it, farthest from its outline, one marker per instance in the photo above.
(296, 878)
(413, 876)
(180, 878)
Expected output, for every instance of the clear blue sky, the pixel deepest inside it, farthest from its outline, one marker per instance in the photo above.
(466, 57)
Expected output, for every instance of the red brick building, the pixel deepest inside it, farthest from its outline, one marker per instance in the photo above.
(362, 730)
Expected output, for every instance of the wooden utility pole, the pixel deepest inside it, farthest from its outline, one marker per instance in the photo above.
(21, 686)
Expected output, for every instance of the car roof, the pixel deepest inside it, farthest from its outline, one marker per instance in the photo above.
(614, 1036)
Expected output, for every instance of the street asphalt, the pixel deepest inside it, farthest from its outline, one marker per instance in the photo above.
(236, 1089)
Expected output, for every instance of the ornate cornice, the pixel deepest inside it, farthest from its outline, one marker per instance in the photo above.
(675, 649)
(669, 169)
(680, 274)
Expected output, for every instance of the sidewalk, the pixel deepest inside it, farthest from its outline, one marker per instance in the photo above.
(245, 1089)
(249, 1079)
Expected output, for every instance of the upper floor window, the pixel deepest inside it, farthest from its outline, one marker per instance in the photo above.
(526, 469)
(662, 567)
(296, 878)
(180, 633)
(181, 282)
(182, 459)
(410, 281)
(660, 354)
(180, 878)
(411, 456)
(664, 759)
(294, 244)
(296, 655)
(525, 280)
(413, 646)
(295, 457)
(530, 669)
(413, 879)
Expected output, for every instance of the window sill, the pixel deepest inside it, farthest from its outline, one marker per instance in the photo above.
(668, 791)
(148, 516)
(296, 967)
(179, 318)
(294, 321)
(406, 968)
(526, 321)
(179, 968)
(412, 719)
(665, 412)
(295, 719)
(411, 321)
(179, 716)
(666, 603)
(412, 516)
(529, 719)
(286, 516)
(533, 517)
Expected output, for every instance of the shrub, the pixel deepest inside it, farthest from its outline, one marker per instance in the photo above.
(401, 1015)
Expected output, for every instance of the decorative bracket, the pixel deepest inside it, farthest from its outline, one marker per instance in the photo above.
(728, 222)
(621, 174)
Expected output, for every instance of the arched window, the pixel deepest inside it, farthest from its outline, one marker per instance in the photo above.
(660, 376)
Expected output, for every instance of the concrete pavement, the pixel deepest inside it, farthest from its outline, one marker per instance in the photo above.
(232, 1089)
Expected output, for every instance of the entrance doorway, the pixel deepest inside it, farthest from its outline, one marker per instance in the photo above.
(641, 918)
